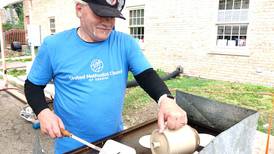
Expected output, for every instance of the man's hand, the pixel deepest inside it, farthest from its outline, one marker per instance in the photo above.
(50, 123)
(170, 114)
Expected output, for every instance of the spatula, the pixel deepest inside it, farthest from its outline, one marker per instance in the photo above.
(110, 146)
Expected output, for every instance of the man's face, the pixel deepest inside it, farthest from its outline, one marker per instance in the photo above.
(95, 28)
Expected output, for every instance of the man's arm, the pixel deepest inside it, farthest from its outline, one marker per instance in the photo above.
(49, 122)
(153, 85)
(35, 96)
(170, 114)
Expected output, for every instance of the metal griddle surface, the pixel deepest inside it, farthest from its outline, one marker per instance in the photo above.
(132, 135)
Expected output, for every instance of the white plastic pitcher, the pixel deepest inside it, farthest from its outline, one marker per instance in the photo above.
(183, 140)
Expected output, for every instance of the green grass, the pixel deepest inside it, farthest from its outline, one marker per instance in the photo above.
(136, 97)
(18, 60)
(243, 95)
(25, 60)
(16, 72)
(131, 77)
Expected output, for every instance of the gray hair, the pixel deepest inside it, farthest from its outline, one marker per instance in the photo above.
(81, 2)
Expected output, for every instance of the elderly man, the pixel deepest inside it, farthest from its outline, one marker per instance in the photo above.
(89, 66)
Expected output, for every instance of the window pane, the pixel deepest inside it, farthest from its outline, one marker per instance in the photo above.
(130, 13)
(142, 12)
(138, 13)
(142, 21)
(221, 42)
(221, 4)
(245, 4)
(229, 4)
(227, 37)
(220, 37)
(228, 30)
(235, 30)
(243, 30)
(138, 21)
(236, 39)
(242, 41)
(220, 30)
(228, 15)
(237, 4)
(134, 31)
(140, 32)
(231, 43)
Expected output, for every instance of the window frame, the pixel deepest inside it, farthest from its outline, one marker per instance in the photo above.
(136, 22)
(241, 22)
(52, 25)
(237, 37)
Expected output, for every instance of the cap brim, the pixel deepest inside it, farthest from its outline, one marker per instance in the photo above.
(105, 11)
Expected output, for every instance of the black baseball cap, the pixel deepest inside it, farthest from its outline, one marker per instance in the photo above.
(107, 8)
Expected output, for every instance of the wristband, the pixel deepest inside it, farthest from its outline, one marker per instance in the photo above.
(170, 96)
(163, 96)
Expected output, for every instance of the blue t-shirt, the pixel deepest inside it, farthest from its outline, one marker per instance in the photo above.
(90, 82)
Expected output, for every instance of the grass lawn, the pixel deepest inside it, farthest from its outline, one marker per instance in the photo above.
(244, 95)
(10, 60)
(16, 72)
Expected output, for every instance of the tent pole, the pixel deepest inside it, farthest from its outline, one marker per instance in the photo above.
(4, 66)
(30, 23)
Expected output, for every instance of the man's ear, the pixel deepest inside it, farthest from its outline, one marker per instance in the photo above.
(78, 9)
(79, 14)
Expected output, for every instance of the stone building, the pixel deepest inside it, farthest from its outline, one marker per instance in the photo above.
(229, 40)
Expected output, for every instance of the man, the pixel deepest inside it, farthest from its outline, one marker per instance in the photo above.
(89, 66)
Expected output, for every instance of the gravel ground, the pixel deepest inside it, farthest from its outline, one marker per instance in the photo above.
(16, 134)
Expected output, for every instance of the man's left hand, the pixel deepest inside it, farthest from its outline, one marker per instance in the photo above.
(170, 115)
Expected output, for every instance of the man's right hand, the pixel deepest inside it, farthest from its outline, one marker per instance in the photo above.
(50, 123)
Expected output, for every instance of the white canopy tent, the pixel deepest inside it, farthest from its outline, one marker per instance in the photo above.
(4, 3)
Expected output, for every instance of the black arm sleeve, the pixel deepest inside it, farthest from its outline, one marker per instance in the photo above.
(153, 85)
(35, 96)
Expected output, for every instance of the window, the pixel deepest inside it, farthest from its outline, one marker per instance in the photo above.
(136, 23)
(52, 25)
(235, 11)
(233, 4)
(27, 20)
(231, 35)
(232, 23)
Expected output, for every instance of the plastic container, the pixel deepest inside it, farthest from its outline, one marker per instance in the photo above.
(181, 141)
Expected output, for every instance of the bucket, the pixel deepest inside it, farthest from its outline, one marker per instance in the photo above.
(182, 141)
